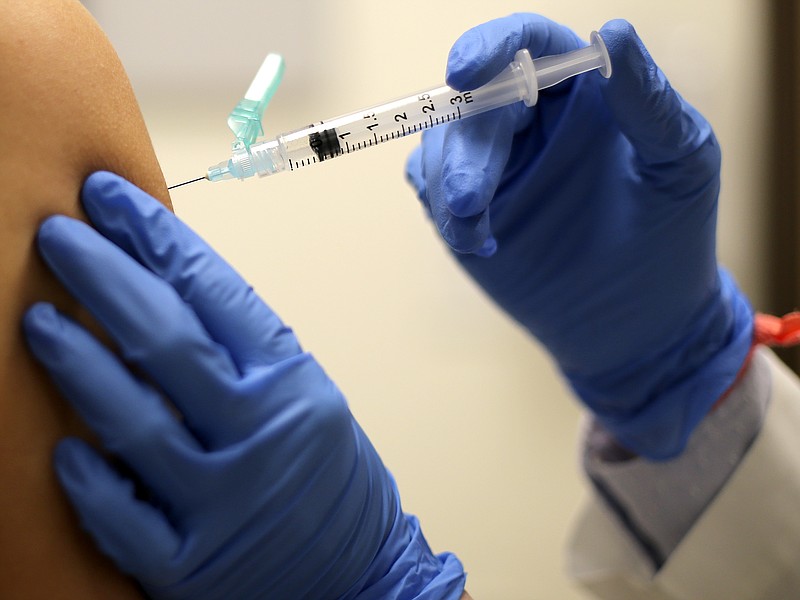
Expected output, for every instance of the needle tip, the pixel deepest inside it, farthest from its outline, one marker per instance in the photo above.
(172, 187)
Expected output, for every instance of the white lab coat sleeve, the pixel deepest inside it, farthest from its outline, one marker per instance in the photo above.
(745, 544)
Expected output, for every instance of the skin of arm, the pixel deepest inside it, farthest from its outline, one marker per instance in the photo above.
(66, 110)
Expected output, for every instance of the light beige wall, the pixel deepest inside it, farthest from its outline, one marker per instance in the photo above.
(464, 408)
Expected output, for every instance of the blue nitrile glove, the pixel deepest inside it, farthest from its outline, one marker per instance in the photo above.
(265, 487)
(590, 218)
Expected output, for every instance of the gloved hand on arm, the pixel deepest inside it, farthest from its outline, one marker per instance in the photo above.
(252, 480)
(591, 219)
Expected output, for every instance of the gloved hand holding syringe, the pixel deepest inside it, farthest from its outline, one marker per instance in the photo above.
(367, 128)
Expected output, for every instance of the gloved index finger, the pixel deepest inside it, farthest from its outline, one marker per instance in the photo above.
(153, 327)
(483, 51)
(227, 306)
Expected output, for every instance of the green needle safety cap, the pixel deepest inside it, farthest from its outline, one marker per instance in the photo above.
(245, 119)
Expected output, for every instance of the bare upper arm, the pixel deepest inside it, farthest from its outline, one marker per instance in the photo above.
(66, 110)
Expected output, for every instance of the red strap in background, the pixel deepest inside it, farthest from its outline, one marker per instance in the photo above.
(777, 331)
(768, 330)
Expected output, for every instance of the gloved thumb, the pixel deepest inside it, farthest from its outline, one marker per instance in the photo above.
(662, 127)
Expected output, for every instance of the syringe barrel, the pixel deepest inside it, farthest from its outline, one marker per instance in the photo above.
(373, 126)
(520, 81)
(267, 157)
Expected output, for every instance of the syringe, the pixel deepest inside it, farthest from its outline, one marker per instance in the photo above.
(520, 81)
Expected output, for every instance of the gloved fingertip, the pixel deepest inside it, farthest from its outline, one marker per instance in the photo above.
(466, 235)
(64, 452)
(62, 241)
(459, 68)
(87, 477)
(99, 187)
(51, 230)
(100, 179)
(489, 248)
(59, 235)
(40, 317)
(464, 195)
(41, 323)
(470, 62)
(483, 51)
(618, 32)
(109, 510)
(631, 63)
(105, 193)
(72, 460)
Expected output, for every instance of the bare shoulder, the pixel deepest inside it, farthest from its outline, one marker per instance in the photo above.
(66, 109)
(69, 96)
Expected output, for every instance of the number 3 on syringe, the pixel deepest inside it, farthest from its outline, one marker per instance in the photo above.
(466, 98)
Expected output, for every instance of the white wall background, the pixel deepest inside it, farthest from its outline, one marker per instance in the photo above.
(465, 409)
